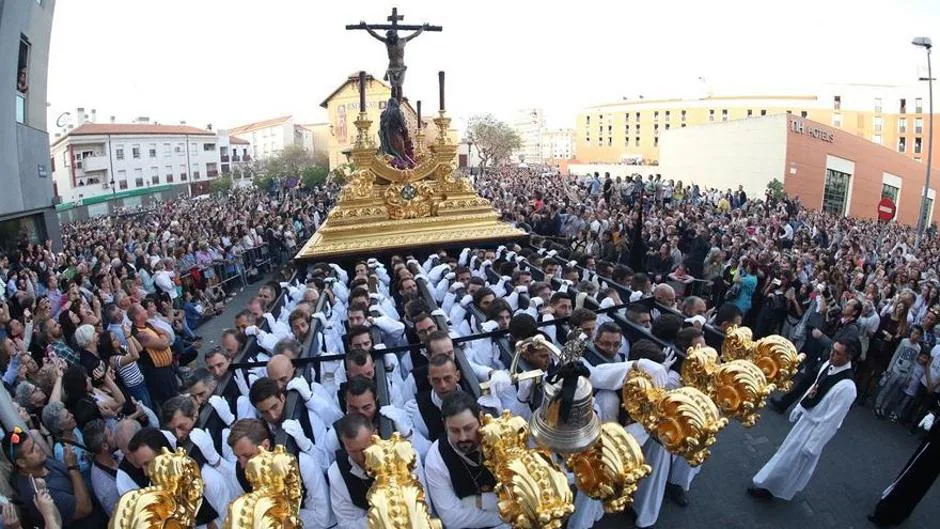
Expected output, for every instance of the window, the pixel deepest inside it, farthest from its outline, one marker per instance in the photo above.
(153, 150)
(135, 151)
(918, 125)
(210, 146)
(196, 173)
(803, 114)
(211, 170)
(119, 152)
(889, 191)
(835, 192)
(179, 149)
(683, 125)
(667, 115)
(667, 126)
(182, 173)
(683, 116)
(902, 144)
(656, 141)
(902, 125)
(837, 103)
(876, 138)
(711, 115)
(763, 112)
(587, 120)
(724, 114)
(918, 145)
(656, 129)
(20, 108)
(656, 116)
(749, 112)
(903, 106)
(638, 116)
(166, 149)
(877, 105)
(626, 117)
(138, 177)
(22, 67)
(609, 142)
(636, 141)
(192, 147)
(225, 168)
(122, 175)
(877, 123)
(837, 120)
(122, 184)
(919, 105)
(154, 175)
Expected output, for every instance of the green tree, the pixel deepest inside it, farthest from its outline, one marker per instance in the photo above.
(314, 176)
(221, 184)
(495, 141)
(776, 189)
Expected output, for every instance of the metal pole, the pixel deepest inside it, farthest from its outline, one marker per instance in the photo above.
(922, 222)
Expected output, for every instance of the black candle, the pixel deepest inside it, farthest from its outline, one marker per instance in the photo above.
(362, 91)
(440, 83)
(419, 114)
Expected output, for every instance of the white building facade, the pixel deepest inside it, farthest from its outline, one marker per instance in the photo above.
(269, 137)
(557, 144)
(98, 159)
(529, 124)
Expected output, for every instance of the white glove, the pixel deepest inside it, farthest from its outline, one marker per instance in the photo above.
(670, 358)
(329, 280)
(399, 417)
(500, 250)
(268, 317)
(301, 387)
(293, 428)
(499, 382)
(322, 319)
(486, 263)
(489, 326)
(572, 264)
(379, 346)
(519, 258)
(252, 330)
(536, 302)
(438, 312)
(372, 262)
(422, 276)
(450, 276)
(284, 284)
(542, 251)
(660, 376)
(466, 300)
(522, 289)
(415, 262)
(552, 253)
(336, 268)
(201, 439)
(636, 296)
(511, 256)
(927, 422)
(379, 309)
(455, 286)
(375, 296)
(796, 413)
(222, 409)
(505, 279)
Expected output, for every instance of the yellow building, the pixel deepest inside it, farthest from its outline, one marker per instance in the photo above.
(342, 108)
(626, 130)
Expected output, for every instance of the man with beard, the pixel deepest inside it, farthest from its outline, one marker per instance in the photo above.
(248, 437)
(460, 486)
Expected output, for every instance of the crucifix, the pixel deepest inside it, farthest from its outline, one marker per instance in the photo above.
(395, 45)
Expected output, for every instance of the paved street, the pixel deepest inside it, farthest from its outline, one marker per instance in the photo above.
(856, 466)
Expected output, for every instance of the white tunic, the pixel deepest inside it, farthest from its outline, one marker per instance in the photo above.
(791, 467)
(349, 515)
(453, 511)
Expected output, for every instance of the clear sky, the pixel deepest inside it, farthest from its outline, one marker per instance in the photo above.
(229, 62)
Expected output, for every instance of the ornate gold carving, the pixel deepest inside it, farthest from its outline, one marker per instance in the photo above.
(610, 469)
(684, 420)
(410, 201)
(358, 187)
(533, 492)
(363, 138)
(442, 122)
(738, 387)
(274, 502)
(776, 356)
(396, 499)
(171, 502)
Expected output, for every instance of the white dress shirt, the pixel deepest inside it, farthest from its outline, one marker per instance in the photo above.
(453, 511)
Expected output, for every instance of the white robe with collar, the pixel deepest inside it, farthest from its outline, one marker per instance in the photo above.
(792, 466)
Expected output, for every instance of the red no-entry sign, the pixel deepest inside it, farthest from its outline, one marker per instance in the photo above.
(886, 209)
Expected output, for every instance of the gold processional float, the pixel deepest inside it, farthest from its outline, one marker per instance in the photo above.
(405, 195)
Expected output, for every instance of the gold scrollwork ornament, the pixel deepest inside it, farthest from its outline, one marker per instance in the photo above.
(684, 420)
(396, 499)
(274, 502)
(171, 502)
(739, 388)
(776, 356)
(610, 469)
(410, 201)
(533, 492)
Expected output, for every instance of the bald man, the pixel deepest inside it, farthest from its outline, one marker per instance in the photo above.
(665, 295)
(316, 398)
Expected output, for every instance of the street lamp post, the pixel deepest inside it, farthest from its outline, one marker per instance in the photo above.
(469, 162)
(924, 42)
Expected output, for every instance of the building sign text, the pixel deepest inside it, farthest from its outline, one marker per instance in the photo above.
(799, 127)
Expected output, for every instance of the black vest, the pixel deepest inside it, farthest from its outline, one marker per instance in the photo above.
(822, 386)
(466, 480)
(341, 396)
(431, 415)
(358, 488)
(242, 479)
(417, 359)
(536, 395)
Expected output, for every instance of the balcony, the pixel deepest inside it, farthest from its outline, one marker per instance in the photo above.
(212, 174)
(95, 163)
(224, 157)
(234, 159)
